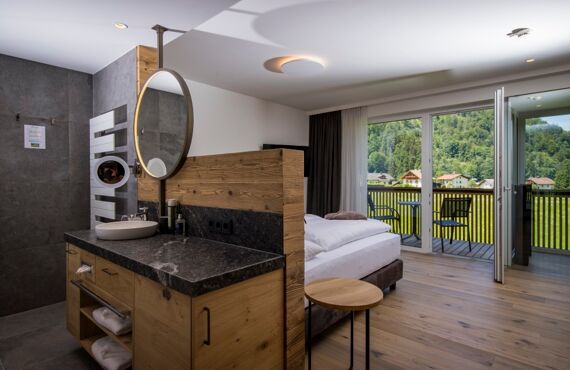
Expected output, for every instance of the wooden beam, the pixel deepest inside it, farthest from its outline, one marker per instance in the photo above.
(294, 251)
(146, 65)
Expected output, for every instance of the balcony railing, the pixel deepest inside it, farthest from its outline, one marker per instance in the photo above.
(550, 218)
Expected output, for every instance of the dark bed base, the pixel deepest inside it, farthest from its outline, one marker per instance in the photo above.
(384, 278)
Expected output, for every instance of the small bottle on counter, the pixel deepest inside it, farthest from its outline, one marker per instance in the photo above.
(172, 204)
(180, 225)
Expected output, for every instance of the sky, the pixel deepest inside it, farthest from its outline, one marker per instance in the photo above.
(562, 121)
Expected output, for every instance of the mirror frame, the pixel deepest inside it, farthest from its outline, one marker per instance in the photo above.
(189, 124)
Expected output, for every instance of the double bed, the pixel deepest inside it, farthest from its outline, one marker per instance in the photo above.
(358, 249)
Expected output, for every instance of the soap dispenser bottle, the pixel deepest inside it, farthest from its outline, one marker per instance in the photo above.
(180, 225)
(172, 204)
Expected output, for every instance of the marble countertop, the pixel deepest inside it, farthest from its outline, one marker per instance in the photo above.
(190, 265)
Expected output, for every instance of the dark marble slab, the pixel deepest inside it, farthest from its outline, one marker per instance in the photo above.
(190, 265)
(257, 230)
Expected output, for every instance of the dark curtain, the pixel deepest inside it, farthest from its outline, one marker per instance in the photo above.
(323, 190)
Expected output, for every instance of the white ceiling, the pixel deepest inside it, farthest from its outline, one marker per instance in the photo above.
(79, 34)
(372, 48)
(549, 100)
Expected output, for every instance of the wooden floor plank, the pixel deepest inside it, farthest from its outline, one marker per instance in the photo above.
(447, 313)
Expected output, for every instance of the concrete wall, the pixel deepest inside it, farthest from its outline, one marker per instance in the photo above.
(42, 192)
(115, 86)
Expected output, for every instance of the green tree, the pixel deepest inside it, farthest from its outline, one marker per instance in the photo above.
(562, 178)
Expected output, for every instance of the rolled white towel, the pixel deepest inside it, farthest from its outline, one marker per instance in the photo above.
(110, 355)
(111, 321)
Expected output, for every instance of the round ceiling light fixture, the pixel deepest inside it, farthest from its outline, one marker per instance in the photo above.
(121, 25)
(530, 60)
(298, 66)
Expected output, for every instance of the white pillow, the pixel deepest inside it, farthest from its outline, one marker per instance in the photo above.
(311, 219)
(312, 249)
(333, 234)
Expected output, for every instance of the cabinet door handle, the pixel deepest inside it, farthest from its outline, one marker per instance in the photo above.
(208, 341)
(109, 272)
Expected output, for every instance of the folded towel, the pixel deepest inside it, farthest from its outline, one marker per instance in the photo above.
(112, 321)
(110, 355)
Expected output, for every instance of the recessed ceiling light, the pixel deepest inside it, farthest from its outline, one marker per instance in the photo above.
(295, 65)
(539, 105)
(535, 97)
(302, 67)
(531, 60)
(121, 25)
(519, 32)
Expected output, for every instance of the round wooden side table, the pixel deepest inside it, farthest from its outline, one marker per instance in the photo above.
(347, 295)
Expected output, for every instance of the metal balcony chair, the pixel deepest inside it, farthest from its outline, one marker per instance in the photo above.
(453, 209)
(384, 213)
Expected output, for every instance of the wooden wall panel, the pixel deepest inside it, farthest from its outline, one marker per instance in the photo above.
(247, 181)
(293, 245)
(147, 63)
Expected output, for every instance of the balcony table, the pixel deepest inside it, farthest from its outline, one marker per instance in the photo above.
(415, 205)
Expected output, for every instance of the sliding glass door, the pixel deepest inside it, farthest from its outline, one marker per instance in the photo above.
(463, 183)
(395, 177)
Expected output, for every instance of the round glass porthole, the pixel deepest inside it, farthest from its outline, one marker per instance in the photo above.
(111, 172)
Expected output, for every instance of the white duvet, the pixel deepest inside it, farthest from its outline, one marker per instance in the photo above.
(332, 234)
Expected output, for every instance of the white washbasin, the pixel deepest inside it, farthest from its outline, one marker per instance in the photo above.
(123, 230)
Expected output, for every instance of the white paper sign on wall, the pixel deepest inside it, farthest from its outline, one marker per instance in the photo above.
(34, 137)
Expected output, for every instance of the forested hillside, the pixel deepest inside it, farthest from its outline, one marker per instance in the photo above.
(463, 143)
(547, 152)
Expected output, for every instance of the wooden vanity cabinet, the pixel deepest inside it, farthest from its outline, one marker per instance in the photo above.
(73, 261)
(162, 327)
(115, 280)
(240, 326)
(237, 327)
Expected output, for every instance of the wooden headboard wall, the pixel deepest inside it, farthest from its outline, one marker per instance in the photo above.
(260, 181)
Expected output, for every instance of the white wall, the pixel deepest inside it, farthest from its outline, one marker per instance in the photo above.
(227, 122)
(480, 92)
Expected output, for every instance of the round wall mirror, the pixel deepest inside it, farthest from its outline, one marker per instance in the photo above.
(164, 122)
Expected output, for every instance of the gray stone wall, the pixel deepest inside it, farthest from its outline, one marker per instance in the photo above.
(43, 193)
(115, 86)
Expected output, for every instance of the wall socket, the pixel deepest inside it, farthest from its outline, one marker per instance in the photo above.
(220, 226)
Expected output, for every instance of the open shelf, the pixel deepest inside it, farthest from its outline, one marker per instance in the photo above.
(124, 340)
(88, 342)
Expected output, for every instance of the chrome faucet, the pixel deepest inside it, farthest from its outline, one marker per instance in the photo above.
(141, 215)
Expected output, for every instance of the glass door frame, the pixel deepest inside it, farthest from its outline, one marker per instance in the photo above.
(426, 119)
(428, 155)
(426, 244)
(503, 136)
